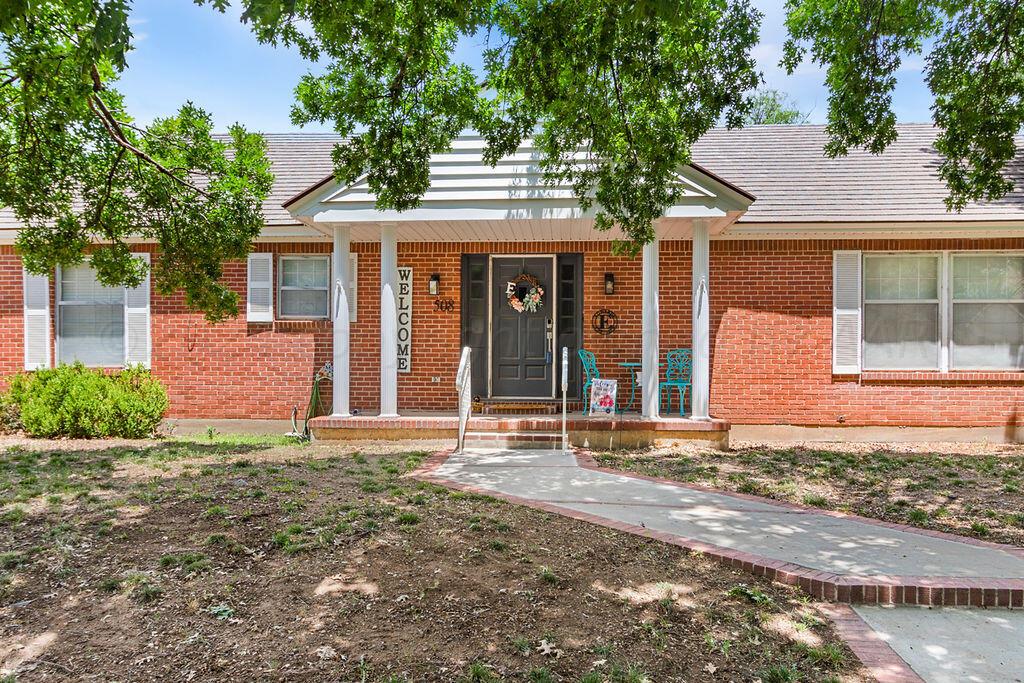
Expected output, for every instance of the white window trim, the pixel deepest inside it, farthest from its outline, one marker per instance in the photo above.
(945, 302)
(280, 285)
(59, 305)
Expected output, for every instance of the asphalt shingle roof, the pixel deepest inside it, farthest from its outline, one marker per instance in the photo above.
(782, 166)
(786, 169)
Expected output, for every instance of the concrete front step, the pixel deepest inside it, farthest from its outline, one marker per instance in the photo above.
(540, 440)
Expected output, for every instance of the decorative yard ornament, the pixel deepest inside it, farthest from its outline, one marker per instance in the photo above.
(524, 293)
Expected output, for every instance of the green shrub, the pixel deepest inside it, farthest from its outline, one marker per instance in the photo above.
(10, 415)
(77, 402)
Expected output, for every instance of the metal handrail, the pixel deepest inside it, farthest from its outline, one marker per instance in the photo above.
(565, 393)
(464, 387)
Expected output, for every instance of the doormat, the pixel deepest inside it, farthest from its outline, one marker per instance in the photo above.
(520, 408)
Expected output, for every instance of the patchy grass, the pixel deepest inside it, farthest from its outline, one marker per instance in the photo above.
(972, 490)
(258, 559)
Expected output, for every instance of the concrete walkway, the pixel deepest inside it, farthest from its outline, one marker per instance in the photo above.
(951, 645)
(800, 536)
(816, 549)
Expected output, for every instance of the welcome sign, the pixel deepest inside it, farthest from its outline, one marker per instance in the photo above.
(404, 319)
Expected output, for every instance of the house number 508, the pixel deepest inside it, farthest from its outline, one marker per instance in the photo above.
(444, 305)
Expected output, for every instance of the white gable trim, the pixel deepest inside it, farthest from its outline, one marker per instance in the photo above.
(464, 188)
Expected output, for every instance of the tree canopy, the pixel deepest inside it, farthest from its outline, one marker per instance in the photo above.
(974, 67)
(613, 95)
(77, 170)
(771, 107)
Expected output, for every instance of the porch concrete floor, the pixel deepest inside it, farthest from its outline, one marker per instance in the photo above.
(799, 536)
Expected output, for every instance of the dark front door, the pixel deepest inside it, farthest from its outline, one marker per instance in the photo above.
(521, 359)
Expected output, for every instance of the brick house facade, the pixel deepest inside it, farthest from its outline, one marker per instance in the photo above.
(771, 323)
(771, 319)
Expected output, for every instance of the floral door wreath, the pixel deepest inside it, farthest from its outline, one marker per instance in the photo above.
(524, 293)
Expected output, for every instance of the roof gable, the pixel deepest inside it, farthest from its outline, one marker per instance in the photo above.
(462, 186)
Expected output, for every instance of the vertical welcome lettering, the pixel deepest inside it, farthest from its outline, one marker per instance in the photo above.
(404, 319)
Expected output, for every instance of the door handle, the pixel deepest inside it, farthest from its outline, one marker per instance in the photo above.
(549, 353)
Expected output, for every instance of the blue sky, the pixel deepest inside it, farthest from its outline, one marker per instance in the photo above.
(187, 52)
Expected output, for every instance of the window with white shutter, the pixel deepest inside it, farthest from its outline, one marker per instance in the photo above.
(846, 312)
(102, 326)
(259, 300)
(36, 296)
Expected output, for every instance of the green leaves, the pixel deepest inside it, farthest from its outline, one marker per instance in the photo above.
(80, 175)
(772, 107)
(612, 94)
(974, 71)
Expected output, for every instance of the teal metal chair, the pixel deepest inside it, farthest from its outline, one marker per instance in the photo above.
(678, 372)
(590, 373)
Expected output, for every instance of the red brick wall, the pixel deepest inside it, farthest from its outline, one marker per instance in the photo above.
(771, 325)
(771, 305)
(12, 349)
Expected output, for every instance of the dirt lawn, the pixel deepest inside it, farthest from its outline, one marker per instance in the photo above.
(253, 559)
(968, 489)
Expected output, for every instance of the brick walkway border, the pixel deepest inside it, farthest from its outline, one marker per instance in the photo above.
(874, 653)
(896, 590)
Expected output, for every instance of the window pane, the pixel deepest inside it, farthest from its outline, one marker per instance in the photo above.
(79, 283)
(304, 303)
(304, 272)
(988, 336)
(901, 277)
(901, 336)
(92, 334)
(988, 277)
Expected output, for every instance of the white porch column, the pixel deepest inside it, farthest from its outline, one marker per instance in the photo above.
(341, 317)
(388, 320)
(649, 395)
(701, 323)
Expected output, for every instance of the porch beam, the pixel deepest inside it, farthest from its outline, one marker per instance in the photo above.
(341, 321)
(388, 320)
(650, 330)
(701, 307)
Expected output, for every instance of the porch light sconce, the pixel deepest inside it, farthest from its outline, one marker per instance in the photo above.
(434, 285)
(609, 283)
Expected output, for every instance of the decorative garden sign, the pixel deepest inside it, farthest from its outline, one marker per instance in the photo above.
(404, 319)
(602, 396)
(524, 294)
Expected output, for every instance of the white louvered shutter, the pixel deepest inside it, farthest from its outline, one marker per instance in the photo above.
(36, 292)
(137, 342)
(846, 312)
(353, 281)
(260, 300)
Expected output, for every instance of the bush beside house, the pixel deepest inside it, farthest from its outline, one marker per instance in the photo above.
(78, 402)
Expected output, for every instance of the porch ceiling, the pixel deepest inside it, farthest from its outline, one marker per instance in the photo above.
(469, 200)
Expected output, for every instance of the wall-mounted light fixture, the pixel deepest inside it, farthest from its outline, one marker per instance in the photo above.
(434, 285)
(609, 283)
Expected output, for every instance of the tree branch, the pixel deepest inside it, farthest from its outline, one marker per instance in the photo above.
(117, 134)
(109, 186)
